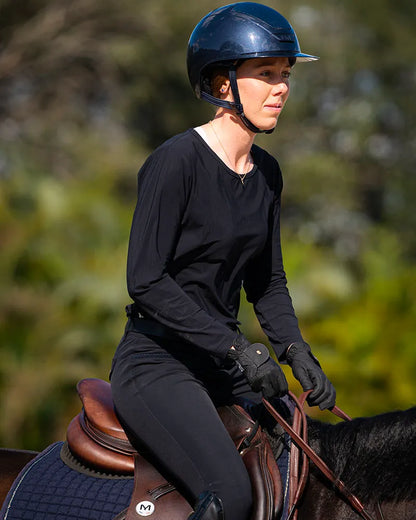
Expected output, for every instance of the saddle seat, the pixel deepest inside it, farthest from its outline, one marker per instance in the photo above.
(96, 438)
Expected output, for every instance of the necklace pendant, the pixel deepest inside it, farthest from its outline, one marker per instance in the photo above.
(241, 176)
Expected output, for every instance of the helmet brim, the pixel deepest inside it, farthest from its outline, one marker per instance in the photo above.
(306, 57)
(300, 56)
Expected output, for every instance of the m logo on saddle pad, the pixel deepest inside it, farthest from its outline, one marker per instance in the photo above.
(145, 508)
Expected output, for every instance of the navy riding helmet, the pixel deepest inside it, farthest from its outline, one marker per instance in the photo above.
(233, 33)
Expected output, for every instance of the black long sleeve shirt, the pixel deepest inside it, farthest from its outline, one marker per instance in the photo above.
(198, 234)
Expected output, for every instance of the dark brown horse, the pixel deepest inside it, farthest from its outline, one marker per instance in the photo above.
(375, 457)
(11, 462)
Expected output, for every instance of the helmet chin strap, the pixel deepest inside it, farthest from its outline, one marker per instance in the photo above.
(239, 107)
(236, 105)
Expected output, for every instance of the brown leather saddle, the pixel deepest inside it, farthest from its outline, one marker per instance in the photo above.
(96, 438)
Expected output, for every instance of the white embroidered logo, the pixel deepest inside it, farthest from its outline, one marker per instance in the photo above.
(145, 508)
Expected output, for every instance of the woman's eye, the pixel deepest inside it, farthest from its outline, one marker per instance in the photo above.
(268, 73)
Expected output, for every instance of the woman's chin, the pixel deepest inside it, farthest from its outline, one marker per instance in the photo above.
(266, 126)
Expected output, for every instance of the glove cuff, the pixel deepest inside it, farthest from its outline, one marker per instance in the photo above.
(253, 354)
(240, 344)
(295, 348)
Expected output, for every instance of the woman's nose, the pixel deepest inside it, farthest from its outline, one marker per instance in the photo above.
(281, 87)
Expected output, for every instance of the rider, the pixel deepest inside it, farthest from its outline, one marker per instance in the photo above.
(207, 223)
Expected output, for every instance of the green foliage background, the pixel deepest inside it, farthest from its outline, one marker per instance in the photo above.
(88, 88)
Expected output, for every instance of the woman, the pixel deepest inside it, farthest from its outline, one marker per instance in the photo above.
(207, 222)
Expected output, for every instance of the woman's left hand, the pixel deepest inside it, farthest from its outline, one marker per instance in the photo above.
(308, 372)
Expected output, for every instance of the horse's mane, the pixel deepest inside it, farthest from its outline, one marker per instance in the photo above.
(374, 456)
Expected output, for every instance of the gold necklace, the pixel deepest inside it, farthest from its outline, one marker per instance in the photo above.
(241, 176)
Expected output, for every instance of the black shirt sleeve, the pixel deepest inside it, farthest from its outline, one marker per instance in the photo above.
(266, 285)
(163, 188)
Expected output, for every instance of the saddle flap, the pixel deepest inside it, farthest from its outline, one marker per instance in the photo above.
(259, 460)
(265, 479)
(155, 496)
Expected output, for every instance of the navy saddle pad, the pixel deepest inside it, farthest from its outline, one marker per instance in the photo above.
(48, 489)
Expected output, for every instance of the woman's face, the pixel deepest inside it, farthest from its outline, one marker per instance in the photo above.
(263, 84)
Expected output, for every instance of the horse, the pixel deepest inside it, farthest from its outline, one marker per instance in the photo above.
(11, 463)
(374, 456)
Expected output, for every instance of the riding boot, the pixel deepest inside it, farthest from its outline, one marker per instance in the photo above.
(208, 507)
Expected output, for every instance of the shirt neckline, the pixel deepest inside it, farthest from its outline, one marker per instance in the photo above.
(221, 162)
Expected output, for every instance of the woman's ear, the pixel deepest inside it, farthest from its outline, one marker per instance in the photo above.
(225, 89)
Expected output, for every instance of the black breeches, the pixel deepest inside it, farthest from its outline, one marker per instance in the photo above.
(166, 397)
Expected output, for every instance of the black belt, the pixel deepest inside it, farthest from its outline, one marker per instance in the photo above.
(149, 327)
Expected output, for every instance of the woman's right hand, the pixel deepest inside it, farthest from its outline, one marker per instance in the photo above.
(308, 372)
(262, 372)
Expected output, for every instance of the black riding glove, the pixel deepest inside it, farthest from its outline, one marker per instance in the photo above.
(308, 372)
(262, 373)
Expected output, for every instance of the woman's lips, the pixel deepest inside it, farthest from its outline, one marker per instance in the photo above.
(276, 107)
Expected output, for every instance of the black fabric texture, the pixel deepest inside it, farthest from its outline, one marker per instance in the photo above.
(167, 403)
(198, 234)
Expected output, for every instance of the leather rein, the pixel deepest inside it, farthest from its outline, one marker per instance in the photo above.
(298, 432)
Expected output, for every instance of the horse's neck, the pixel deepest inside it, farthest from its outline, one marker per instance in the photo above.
(372, 456)
(320, 501)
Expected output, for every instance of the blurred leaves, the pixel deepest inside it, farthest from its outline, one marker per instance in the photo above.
(88, 89)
